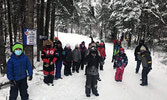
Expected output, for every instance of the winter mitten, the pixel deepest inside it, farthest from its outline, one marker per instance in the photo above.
(13, 83)
(30, 78)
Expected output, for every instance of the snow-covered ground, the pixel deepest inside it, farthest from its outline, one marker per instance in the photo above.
(73, 87)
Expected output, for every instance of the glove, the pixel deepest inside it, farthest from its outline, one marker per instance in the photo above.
(30, 78)
(13, 83)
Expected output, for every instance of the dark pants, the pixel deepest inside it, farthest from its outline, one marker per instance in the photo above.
(138, 66)
(48, 79)
(75, 66)
(21, 86)
(91, 83)
(101, 64)
(145, 72)
(82, 65)
(58, 69)
(67, 69)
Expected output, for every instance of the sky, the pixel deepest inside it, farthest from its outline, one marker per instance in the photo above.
(73, 87)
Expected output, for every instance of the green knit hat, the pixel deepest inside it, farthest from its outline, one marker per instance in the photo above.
(17, 45)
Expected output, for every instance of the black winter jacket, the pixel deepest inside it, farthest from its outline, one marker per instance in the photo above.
(93, 63)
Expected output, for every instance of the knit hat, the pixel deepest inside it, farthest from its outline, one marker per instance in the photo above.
(142, 48)
(93, 50)
(68, 45)
(121, 49)
(56, 38)
(101, 44)
(76, 46)
(17, 45)
(83, 42)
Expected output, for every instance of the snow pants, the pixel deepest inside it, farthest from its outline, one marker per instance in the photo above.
(58, 69)
(145, 72)
(67, 69)
(21, 86)
(118, 74)
(48, 79)
(75, 67)
(101, 63)
(138, 66)
(91, 83)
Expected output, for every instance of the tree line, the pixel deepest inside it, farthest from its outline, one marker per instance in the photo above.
(109, 19)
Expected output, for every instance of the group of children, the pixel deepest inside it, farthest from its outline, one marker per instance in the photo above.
(54, 56)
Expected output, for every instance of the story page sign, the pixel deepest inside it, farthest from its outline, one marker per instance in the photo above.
(30, 37)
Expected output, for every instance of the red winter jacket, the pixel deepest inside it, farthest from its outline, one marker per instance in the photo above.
(102, 51)
(48, 55)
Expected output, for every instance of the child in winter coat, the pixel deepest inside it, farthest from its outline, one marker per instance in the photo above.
(83, 50)
(49, 57)
(117, 45)
(76, 59)
(17, 67)
(121, 61)
(93, 61)
(102, 53)
(60, 56)
(67, 60)
(146, 60)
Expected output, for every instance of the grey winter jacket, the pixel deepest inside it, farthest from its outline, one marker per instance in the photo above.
(76, 55)
(145, 59)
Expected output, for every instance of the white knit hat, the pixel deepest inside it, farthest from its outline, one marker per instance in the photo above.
(142, 48)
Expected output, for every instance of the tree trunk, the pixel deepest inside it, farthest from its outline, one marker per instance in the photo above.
(41, 22)
(29, 25)
(2, 44)
(9, 25)
(53, 21)
(130, 39)
(38, 30)
(15, 27)
(47, 19)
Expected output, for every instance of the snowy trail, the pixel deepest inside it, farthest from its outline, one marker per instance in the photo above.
(73, 87)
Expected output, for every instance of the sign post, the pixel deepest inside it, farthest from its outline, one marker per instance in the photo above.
(30, 39)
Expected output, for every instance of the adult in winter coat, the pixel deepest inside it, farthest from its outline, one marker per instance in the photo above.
(146, 60)
(18, 66)
(121, 61)
(83, 50)
(48, 56)
(93, 61)
(102, 53)
(67, 60)
(76, 59)
(137, 54)
(60, 56)
(117, 46)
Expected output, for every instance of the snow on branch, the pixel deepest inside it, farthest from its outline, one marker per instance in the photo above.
(156, 15)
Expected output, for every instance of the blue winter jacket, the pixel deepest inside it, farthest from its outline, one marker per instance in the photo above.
(17, 67)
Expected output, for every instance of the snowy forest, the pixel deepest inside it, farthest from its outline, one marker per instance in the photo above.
(107, 19)
(126, 20)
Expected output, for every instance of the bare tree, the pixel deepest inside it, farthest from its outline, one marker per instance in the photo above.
(9, 25)
(2, 43)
